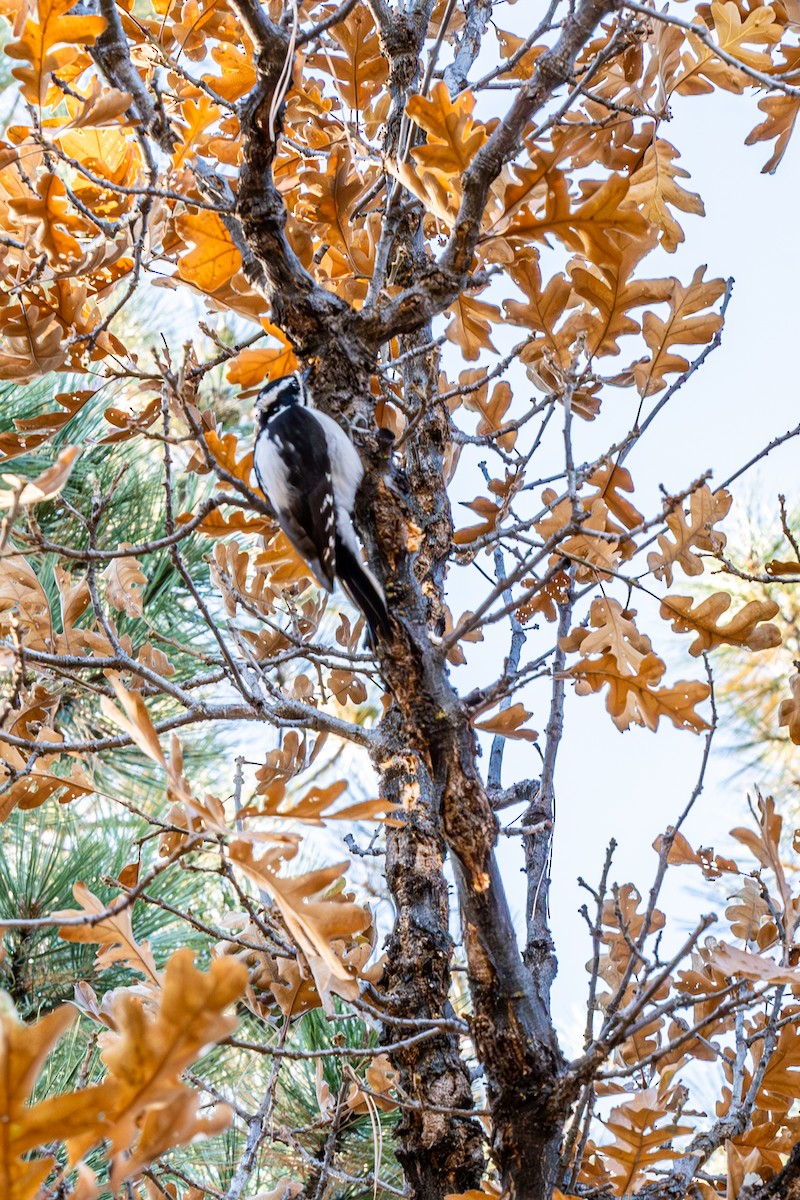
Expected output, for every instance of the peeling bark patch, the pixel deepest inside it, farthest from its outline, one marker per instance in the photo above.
(413, 538)
(410, 794)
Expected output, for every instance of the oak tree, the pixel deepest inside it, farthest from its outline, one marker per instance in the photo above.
(442, 211)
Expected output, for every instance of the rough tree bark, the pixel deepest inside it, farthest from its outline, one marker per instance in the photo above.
(406, 519)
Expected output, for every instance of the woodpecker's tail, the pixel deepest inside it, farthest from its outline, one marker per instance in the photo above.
(364, 590)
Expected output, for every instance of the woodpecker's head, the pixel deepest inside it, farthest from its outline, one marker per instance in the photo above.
(281, 393)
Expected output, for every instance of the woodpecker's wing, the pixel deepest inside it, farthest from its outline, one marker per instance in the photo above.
(293, 468)
(363, 589)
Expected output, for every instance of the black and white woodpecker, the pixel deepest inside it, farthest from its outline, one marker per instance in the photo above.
(310, 470)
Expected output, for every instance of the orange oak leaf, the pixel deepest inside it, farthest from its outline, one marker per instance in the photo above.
(238, 74)
(251, 368)
(51, 221)
(34, 342)
(29, 783)
(329, 198)
(360, 70)
(655, 190)
(23, 1051)
(49, 44)
(590, 225)
(213, 259)
(454, 138)
(611, 293)
(100, 108)
(145, 1051)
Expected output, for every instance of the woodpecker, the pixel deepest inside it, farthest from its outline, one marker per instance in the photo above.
(310, 470)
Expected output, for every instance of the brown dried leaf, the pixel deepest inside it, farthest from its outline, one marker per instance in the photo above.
(33, 789)
(314, 920)
(33, 431)
(611, 479)
(642, 1128)
(779, 122)
(684, 325)
(346, 687)
(125, 582)
(546, 597)
(508, 723)
(681, 854)
(615, 633)
(706, 509)
(134, 719)
(114, 934)
(488, 511)
(741, 964)
(492, 409)
(471, 325)
(749, 915)
(635, 700)
(776, 568)
(789, 711)
(747, 627)
(23, 599)
(314, 805)
(25, 492)
(74, 599)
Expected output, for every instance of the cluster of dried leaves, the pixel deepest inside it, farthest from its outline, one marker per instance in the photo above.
(128, 162)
